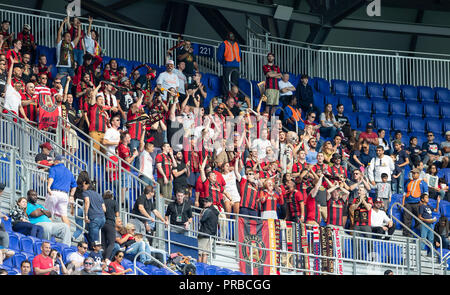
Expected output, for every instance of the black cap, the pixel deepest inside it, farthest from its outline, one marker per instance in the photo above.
(369, 125)
(378, 200)
(2, 187)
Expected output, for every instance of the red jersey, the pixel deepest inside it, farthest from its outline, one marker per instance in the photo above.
(214, 190)
(293, 200)
(269, 201)
(249, 194)
(336, 212)
(166, 165)
(271, 83)
(107, 75)
(43, 263)
(362, 215)
(115, 267)
(124, 152)
(338, 170)
(31, 110)
(16, 55)
(112, 167)
(97, 118)
(312, 208)
(135, 129)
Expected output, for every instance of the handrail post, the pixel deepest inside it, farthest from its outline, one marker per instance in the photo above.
(12, 177)
(160, 226)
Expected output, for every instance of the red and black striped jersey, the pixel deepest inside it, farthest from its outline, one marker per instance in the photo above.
(312, 208)
(271, 83)
(213, 190)
(339, 170)
(249, 194)
(31, 110)
(166, 165)
(97, 118)
(269, 201)
(336, 212)
(293, 200)
(135, 129)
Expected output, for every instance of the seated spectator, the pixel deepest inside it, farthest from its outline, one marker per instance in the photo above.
(380, 222)
(97, 253)
(432, 153)
(443, 230)
(57, 261)
(44, 158)
(383, 142)
(329, 127)
(76, 259)
(43, 264)
(433, 181)
(343, 121)
(425, 215)
(414, 151)
(397, 137)
(25, 268)
(179, 213)
(39, 215)
(445, 145)
(4, 237)
(116, 267)
(87, 269)
(293, 115)
(362, 157)
(20, 221)
(368, 135)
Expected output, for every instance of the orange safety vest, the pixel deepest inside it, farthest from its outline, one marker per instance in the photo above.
(231, 52)
(296, 114)
(413, 189)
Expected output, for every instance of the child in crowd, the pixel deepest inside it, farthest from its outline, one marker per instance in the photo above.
(384, 191)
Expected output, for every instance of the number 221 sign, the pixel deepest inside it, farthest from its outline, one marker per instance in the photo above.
(203, 50)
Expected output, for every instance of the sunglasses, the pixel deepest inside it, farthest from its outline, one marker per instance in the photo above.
(120, 256)
(88, 263)
(84, 247)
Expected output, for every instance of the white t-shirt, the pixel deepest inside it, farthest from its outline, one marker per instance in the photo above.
(379, 219)
(13, 99)
(282, 84)
(58, 52)
(182, 81)
(77, 258)
(146, 164)
(89, 43)
(112, 135)
(167, 81)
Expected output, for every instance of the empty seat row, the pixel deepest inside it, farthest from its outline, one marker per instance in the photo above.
(416, 125)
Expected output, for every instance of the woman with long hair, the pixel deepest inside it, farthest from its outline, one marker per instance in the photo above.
(82, 178)
(269, 199)
(329, 127)
(20, 221)
(116, 267)
(442, 228)
(231, 188)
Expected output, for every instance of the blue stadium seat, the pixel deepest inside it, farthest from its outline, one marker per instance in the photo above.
(323, 86)
(318, 100)
(442, 94)
(431, 110)
(364, 106)
(398, 108)
(382, 122)
(313, 82)
(347, 102)
(417, 125)
(244, 86)
(446, 125)
(340, 87)
(426, 94)
(332, 99)
(445, 111)
(27, 244)
(224, 272)
(380, 106)
(392, 91)
(435, 126)
(66, 252)
(363, 119)
(409, 92)
(14, 241)
(400, 123)
(211, 270)
(374, 90)
(352, 118)
(7, 224)
(17, 259)
(357, 88)
(414, 109)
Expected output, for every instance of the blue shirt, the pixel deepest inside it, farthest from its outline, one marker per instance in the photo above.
(34, 220)
(426, 211)
(63, 179)
(311, 157)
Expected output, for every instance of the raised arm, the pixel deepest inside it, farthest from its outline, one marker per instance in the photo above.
(60, 29)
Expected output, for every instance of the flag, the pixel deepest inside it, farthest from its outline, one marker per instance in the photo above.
(253, 237)
(48, 112)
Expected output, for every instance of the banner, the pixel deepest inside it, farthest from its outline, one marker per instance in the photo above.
(48, 112)
(253, 236)
(338, 246)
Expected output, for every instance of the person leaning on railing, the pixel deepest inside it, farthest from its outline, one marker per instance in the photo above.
(209, 218)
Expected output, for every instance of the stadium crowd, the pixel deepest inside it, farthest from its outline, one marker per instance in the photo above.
(224, 156)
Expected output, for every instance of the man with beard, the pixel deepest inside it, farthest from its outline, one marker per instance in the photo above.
(39, 215)
(272, 73)
(294, 202)
(28, 42)
(248, 189)
(30, 104)
(167, 80)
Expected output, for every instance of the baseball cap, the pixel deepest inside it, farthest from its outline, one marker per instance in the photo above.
(415, 170)
(369, 125)
(58, 158)
(46, 145)
(170, 62)
(97, 243)
(447, 133)
(2, 187)
(27, 26)
(378, 200)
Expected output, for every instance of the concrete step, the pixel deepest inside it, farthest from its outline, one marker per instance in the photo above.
(225, 257)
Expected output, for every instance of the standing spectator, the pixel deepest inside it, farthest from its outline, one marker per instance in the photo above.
(378, 166)
(167, 80)
(229, 56)
(91, 41)
(7, 36)
(425, 215)
(146, 162)
(111, 139)
(337, 211)
(143, 209)
(65, 52)
(14, 55)
(186, 55)
(182, 79)
(361, 211)
(135, 129)
(380, 222)
(60, 184)
(411, 199)
(304, 95)
(272, 73)
(294, 202)
(209, 218)
(39, 215)
(43, 68)
(123, 151)
(116, 267)
(402, 160)
(44, 158)
(286, 89)
(25, 268)
(165, 162)
(248, 189)
(179, 213)
(78, 210)
(13, 97)
(3, 75)
(20, 221)
(4, 237)
(94, 211)
(109, 229)
(43, 263)
(97, 118)
(30, 104)
(76, 33)
(343, 120)
(28, 41)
